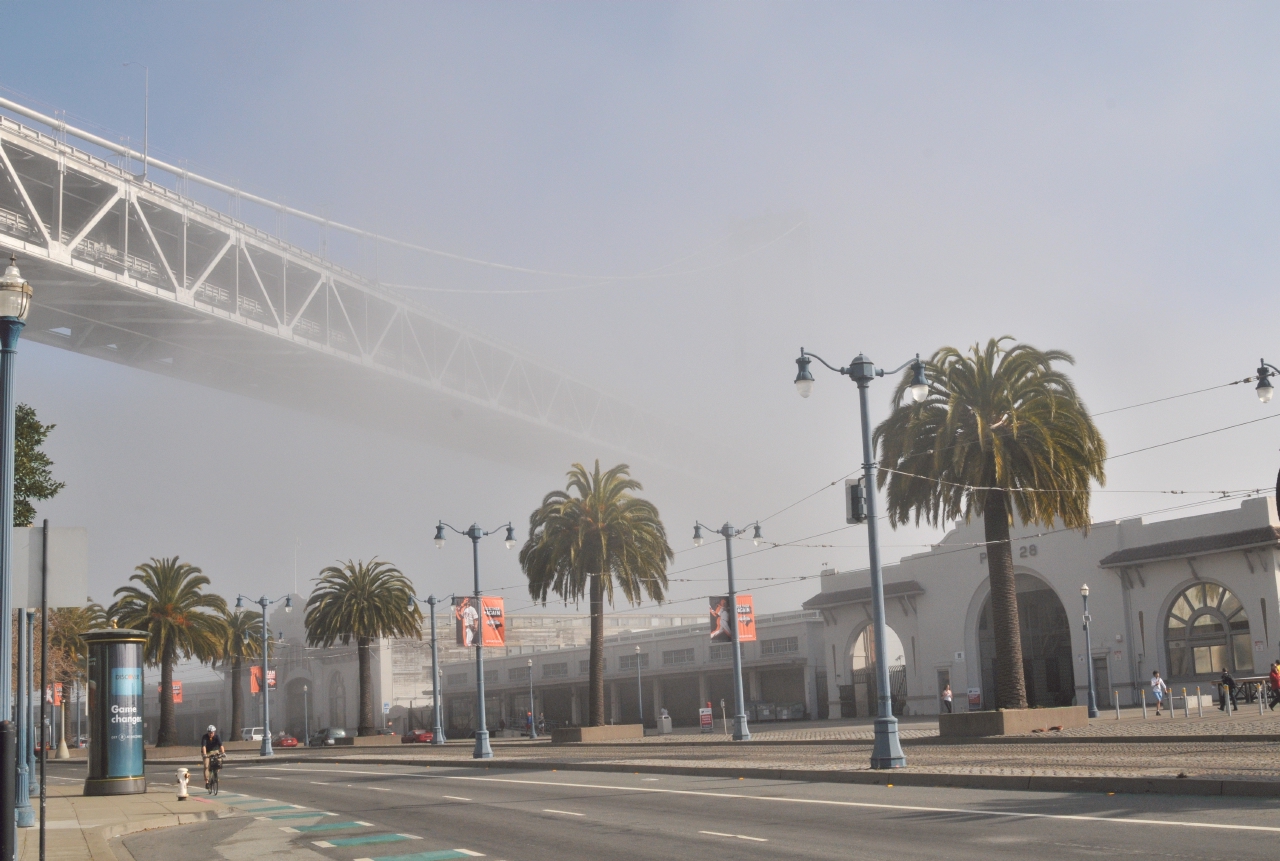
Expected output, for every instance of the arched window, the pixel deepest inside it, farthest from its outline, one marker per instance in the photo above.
(337, 701)
(1207, 632)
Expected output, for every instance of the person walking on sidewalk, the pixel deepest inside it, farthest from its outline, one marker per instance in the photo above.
(1158, 690)
(1228, 687)
(946, 698)
(1275, 684)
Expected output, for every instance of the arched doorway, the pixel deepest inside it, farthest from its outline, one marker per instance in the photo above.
(860, 697)
(1046, 646)
(1206, 632)
(299, 713)
(337, 700)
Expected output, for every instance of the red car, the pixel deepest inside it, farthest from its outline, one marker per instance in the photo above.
(417, 736)
(286, 741)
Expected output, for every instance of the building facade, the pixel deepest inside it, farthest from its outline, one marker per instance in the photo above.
(674, 668)
(1188, 597)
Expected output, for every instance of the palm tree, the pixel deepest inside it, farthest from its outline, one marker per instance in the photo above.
(67, 651)
(365, 601)
(183, 621)
(242, 641)
(590, 542)
(1001, 431)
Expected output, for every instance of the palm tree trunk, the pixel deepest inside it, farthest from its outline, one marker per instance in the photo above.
(168, 734)
(595, 696)
(1011, 686)
(237, 697)
(366, 687)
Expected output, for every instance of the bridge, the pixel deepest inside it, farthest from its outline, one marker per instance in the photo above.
(132, 269)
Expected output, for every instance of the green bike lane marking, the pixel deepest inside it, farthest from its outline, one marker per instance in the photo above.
(272, 808)
(361, 841)
(309, 815)
(325, 826)
(439, 855)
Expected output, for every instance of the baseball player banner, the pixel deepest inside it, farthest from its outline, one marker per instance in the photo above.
(468, 615)
(720, 615)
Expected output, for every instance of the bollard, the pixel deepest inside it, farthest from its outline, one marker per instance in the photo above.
(184, 777)
(1224, 695)
(1199, 702)
(1186, 706)
(8, 789)
(1261, 702)
(1115, 696)
(1144, 703)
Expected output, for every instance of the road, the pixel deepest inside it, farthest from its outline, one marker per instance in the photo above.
(431, 814)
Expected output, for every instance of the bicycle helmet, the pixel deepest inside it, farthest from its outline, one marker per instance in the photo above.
(212, 728)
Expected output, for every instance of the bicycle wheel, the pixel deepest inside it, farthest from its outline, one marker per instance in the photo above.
(213, 781)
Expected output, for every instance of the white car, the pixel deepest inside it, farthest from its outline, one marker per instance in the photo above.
(251, 733)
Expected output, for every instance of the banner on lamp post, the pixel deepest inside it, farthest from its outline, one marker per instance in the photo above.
(720, 630)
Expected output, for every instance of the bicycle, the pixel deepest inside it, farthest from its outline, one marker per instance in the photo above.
(215, 766)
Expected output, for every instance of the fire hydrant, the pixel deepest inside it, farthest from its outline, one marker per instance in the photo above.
(184, 777)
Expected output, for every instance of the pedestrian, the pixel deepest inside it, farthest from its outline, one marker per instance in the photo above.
(1275, 684)
(946, 698)
(1228, 687)
(1158, 690)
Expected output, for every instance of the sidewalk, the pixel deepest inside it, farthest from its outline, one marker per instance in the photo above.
(79, 828)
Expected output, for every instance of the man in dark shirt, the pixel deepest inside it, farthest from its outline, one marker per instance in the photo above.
(1228, 687)
(210, 743)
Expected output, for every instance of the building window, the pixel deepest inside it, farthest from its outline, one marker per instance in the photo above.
(518, 674)
(555, 671)
(628, 662)
(1207, 632)
(723, 651)
(677, 656)
(456, 678)
(780, 646)
(584, 667)
(490, 677)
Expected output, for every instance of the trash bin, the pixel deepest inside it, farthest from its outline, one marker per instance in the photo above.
(664, 724)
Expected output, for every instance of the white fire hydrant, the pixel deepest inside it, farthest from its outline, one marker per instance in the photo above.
(184, 777)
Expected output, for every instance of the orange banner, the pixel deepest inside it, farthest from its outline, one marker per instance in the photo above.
(720, 631)
(495, 622)
(177, 692)
(255, 680)
(494, 630)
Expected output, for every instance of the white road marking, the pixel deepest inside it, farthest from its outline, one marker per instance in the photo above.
(455, 798)
(319, 783)
(650, 779)
(565, 812)
(738, 836)
(379, 789)
(264, 777)
(775, 799)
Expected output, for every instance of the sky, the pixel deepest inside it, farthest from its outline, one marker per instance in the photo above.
(885, 178)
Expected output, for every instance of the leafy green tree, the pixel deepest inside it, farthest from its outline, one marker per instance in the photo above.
(32, 468)
(364, 601)
(587, 540)
(242, 641)
(1001, 431)
(184, 622)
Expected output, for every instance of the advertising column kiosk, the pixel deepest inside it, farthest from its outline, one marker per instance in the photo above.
(115, 712)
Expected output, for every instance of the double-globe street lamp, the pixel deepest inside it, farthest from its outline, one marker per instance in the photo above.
(887, 749)
(475, 533)
(740, 730)
(437, 731)
(264, 603)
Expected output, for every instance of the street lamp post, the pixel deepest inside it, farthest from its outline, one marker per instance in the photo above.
(740, 730)
(887, 749)
(533, 712)
(26, 815)
(639, 691)
(306, 716)
(264, 603)
(475, 533)
(15, 302)
(1088, 651)
(437, 732)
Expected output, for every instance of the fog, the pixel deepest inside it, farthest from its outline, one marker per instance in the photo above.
(886, 178)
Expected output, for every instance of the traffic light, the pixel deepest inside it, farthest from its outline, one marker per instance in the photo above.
(855, 501)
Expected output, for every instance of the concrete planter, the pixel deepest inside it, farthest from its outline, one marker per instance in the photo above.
(1010, 721)
(574, 734)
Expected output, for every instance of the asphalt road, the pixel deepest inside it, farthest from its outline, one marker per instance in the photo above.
(429, 814)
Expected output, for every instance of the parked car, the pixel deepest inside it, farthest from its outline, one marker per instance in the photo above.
(417, 736)
(251, 733)
(328, 735)
(286, 740)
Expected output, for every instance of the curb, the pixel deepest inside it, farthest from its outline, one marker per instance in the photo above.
(1023, 783)
(99, 840)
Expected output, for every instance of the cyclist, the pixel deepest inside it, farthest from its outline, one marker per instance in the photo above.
(210, 743)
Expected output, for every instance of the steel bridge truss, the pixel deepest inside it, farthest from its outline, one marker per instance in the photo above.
(134, 272)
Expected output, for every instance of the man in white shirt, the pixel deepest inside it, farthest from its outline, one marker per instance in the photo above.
(1158, 689)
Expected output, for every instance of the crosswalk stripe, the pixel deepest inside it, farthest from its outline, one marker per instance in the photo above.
(368, 838)
(438, 855)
